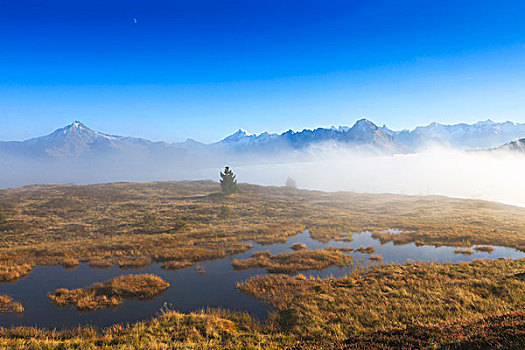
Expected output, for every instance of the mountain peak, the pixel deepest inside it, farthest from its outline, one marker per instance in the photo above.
(486, 122)
(75, 127)
(76, 124)
(365, 124)
(242, 132)
(237, 136)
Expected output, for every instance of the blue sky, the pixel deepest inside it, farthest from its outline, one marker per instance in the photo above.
(203, 69)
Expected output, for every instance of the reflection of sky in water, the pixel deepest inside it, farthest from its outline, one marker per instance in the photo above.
(190, 290)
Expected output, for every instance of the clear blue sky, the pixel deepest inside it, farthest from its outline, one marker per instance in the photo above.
(203, 69)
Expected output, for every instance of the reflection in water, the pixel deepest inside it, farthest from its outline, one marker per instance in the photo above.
(190, 290)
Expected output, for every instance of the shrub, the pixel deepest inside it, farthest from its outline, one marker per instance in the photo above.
(179, 225)
(291, 183)
(3, 218)
(148, 219)
(225, 212)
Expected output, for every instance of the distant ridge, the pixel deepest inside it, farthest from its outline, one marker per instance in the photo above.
(514, 146)
(483, 134)
(363, 132)
(77, 140)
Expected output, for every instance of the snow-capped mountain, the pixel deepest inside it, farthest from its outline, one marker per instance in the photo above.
(76, 140)
(483, 134)
(363, 132)
(514, 146)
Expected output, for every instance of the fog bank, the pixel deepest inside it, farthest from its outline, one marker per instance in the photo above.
(478, 175)
(493, 176)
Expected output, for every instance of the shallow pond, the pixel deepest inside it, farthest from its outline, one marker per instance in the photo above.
(190, 290)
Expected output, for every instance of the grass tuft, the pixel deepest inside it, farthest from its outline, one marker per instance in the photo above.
(111, 293)
(10, 273)
(292, 262)
(8, 305)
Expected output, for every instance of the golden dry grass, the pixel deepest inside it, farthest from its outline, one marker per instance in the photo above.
(298, 246)
(466, 251)
(175, 265)
(182, 221)
(10, 273)
(100, 263)
(367, 250)
(376, 258)
(486, 249)
(110, 293)
(392, 296)
(8, 305)
(300, 260)
(475, 305)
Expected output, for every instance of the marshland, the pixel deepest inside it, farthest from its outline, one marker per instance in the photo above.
(276, 267)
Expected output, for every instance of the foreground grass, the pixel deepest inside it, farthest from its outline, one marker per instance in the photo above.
(300, 260)
(392, 296)
(8, 305)
(505, 331)
(477, 305)
(210, 329)
(216, 329)
(111, 293)
(130, 224)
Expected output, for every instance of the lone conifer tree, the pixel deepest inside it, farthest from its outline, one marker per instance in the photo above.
(228, 181)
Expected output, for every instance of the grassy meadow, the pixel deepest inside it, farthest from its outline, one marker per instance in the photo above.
(134, 224)
(179, 224)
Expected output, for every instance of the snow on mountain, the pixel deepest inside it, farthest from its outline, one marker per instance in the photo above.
(73, 141)
(483, 134)
(364, 132)
(514, 146)
(77, 140)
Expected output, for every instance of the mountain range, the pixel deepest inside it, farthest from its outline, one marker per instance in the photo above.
(77, 140)
(514, 146)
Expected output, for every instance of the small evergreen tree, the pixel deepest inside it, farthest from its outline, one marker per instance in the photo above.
(228, 181)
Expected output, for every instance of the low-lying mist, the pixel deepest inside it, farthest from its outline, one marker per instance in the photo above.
(494, 176)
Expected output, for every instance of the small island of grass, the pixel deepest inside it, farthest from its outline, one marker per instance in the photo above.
(298, 246)
(8, 305)
(10, 273)
(367, 250)
(466, 251)
(301, 260)
(487, 249)
(111, 293)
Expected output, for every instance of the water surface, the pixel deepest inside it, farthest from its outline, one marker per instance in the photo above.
(190, 290)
